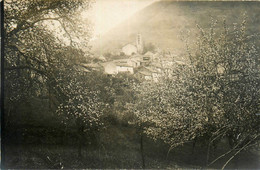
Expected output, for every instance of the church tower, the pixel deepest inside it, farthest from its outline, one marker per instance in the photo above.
(139, 43)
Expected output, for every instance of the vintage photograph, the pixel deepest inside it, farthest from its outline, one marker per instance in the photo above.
(130, 84)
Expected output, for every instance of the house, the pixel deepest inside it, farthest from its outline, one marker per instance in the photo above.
(149, 53)
(156, 66)
(148, 56)
(109, 68)
(135, 62)
(126, 61)
(157, 56)
(154, 72)
(93, 66)
(129, 49)
(124, 67)
(148, 73)
(145, 74)
(145, 61)
(83, 68)
(117, 66)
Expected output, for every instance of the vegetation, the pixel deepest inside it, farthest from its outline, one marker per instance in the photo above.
(40, 62)
(166, 26)
(149, 47)
(215, 95)
(64, 116)
(34, 54)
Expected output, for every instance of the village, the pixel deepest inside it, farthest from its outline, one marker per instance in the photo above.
(133, 58)
(130, 84)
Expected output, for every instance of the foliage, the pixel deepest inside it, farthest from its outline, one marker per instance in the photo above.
(149, 47)
(34, 52)
(227, 67)
(82, 106)
(107, 55)
(214, 95)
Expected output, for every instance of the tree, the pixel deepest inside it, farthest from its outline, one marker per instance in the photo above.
(227, 68)
(163, 114)
(233, 63)
(214, 95)
(34, 52)
(40, 61)
(82, 106)
(149, 47)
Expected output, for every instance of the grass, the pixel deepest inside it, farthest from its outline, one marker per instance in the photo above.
(117, 147)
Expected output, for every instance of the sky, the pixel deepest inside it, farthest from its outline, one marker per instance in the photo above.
(106, 14)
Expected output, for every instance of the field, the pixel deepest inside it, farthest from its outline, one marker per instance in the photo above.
(117, 146)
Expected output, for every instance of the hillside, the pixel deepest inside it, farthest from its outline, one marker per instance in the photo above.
(161, 22)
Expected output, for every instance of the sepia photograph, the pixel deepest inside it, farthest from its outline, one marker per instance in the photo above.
(130, 84)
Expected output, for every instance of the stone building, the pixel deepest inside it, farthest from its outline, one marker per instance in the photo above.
(129, 49)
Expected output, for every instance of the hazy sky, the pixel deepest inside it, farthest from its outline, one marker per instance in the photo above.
(106, 14)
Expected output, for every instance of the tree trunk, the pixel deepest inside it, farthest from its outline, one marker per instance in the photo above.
(80, 140)
(193, 145)
(142, 150)
(49, 96)
(79, 150)
(208, 153)
(8, 117)
(231, 142)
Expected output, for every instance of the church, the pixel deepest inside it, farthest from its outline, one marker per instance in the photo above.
(137, 48)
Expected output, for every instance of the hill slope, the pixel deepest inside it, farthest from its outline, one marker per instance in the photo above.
(161, 22)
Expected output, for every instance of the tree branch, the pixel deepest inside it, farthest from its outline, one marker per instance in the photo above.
(221, 156)
(245, 146)
(24, 67)
(23, 25)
